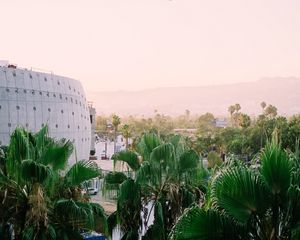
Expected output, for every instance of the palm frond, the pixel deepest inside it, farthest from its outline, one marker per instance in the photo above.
(129, 157)
(35, 172)
(163, 154)
(41, 138)
(240, 192)
(100, 218)
(276, 169)
(196, 224)
(82, 171)
(129, 205)
(148, 142)
(18, 150)
(114, 178)
(188, 160)
(73, 213)
(57, 154)
(149, 174)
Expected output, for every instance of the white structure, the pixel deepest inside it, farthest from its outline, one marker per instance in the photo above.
(32, 99)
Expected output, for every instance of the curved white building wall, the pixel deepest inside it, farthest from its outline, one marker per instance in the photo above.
(32, 99)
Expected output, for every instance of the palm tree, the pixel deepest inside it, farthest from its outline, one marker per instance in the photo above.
(249, 203)
(167, 176)
(231, 109)
(263, 105)
(126, 132)
(116, 121)
(39, 197)
(237, 107)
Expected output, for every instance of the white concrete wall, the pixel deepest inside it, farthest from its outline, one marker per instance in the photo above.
(33, 99)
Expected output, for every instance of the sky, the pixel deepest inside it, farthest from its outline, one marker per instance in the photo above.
(112, 45)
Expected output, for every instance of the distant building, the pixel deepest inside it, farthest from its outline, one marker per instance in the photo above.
(220, 123)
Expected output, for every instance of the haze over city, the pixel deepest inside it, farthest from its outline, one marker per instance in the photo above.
(134, 45)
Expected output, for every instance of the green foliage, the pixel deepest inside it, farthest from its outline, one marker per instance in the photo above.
(82, 171)
(240, 192)
(128, 208)
(33, 168)
(189, 160)
(169, 178)
(115, 178)
(214, 159)
(248, 203)
(276, 169)
(129, 157)
(197, 223)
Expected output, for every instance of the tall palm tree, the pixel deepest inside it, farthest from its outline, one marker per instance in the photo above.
(167, 176)
(249, 203)
(39, 196)
(126, 132)
(116, 121)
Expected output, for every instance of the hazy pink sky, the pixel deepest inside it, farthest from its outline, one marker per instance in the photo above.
(137, 44)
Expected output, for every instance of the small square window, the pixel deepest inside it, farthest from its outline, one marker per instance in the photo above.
(9, 124)
(49, 109)
(30, 76)
(18, 107)
(34, 108)
(25, 91)
(45, 79)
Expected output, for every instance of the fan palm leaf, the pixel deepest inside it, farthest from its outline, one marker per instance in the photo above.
(147, 143)
(189, 160)
(74, 213)
(129, 157)
(35, 172)
(56, 154)
(82, 171)
(276, 169)
(198, 224)
(240, 192)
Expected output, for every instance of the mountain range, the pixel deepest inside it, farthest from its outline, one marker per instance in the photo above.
(284, 93)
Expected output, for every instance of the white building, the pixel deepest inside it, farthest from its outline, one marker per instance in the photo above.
(32, 99)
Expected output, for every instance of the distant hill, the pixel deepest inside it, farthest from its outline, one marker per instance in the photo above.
(284, 93)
